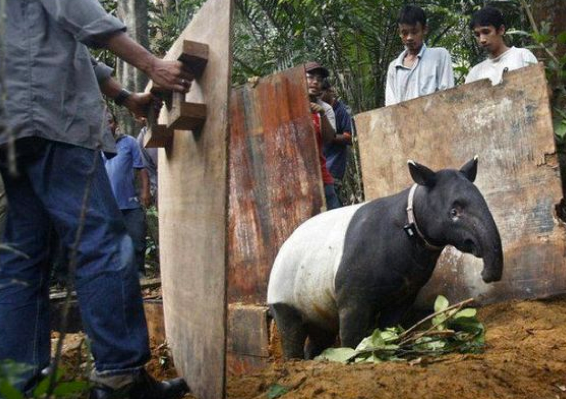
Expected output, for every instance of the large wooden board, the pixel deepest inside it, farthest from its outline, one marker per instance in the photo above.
(509, 126)
(192, 214)
(275, 185)
(275, 178)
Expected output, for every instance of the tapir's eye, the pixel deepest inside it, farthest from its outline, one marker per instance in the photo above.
(454, 213)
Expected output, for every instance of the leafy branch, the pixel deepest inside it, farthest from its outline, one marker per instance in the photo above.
(453, 329)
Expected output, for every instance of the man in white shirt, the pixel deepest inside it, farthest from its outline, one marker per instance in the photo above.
(488, 26)
(418, 70)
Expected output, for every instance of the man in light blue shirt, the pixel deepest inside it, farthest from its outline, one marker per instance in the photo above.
(418, 70)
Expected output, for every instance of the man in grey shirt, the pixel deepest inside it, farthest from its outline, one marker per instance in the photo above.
(54, 112)
(418, 70)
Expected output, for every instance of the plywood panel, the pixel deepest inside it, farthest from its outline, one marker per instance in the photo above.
(509, 127)
(192, 219)
(275, 182)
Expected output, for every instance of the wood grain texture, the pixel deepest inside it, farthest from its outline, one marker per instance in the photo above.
(509, 126)
(192, 214)
(275, 178)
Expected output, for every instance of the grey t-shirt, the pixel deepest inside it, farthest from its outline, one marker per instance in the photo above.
(52, 91)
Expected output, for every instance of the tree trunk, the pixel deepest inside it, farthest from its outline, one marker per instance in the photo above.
(135, 16)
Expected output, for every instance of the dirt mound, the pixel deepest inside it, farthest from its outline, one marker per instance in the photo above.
(525, 357)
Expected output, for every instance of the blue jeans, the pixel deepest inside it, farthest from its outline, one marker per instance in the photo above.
(49, 192)
(135, 225)
(332, 201)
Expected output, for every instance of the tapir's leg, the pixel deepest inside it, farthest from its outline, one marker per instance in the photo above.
(394, 315)
(318, 341)
(356, 323)
(292, 329)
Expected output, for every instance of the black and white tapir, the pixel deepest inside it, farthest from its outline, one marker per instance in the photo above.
(359, 267)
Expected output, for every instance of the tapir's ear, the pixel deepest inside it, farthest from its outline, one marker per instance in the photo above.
(470, 169)
(421, 174)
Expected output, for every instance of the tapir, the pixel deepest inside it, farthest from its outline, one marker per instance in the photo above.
(356, 268)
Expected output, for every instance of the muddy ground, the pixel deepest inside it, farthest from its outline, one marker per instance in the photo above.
(525, 357)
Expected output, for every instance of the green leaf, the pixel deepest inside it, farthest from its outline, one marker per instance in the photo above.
(560, 128)
(41, 388)
(431, 344)
(276, 391)
(390, 334)
(441, 303)
(7, 391)
(438, 321)
(342, 355)
(373, 341)
(542, 38)
(468, 312)
(70, 388)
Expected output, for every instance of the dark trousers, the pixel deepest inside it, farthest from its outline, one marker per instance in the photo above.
(136, 226)
(332, 201)
(48, 193)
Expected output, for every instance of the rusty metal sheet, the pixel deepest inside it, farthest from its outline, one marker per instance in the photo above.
(509, 126)
(192, 214)
(274, 177)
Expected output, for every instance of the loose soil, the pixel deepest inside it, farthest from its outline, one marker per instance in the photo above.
(525, 357)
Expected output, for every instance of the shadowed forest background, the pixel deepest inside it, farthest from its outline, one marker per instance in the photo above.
(355, 39)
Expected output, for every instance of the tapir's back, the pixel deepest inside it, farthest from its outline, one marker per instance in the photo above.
(304, 269)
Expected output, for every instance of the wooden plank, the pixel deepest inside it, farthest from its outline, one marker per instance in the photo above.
(154, 315)
(275, 179)
(248, 331)
(181, 115)
(238, 364)
(158, 136)
(195, 55)
(509, 126)
(192, 214)
(184, 115)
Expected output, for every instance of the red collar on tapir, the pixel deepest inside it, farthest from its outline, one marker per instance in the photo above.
(411, 228)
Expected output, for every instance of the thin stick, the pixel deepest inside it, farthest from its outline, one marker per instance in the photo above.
(429, 317)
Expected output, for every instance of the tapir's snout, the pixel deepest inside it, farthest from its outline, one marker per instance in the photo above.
(492, 258)
(491, 276)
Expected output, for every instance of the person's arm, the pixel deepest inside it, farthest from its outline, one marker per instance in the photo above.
(145, 195)
(328, 124)
(390, 86)
(344, 120)
(137, 103)
(343, 139)
(91, 25)
(142, 174)
(171, 75)
(446, 79)
(326, 130)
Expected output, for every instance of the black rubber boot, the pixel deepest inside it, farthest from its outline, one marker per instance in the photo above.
(144, 387)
